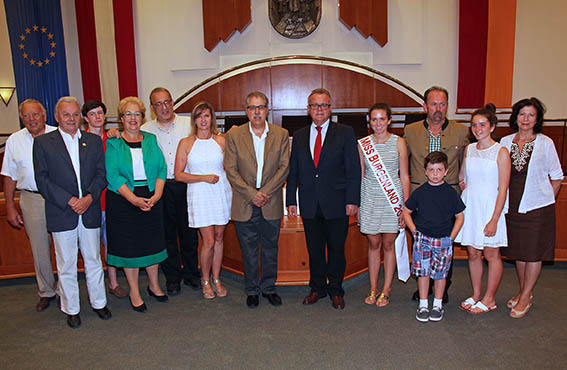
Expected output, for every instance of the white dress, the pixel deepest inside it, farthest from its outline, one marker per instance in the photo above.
(207, 204)
(481, 178)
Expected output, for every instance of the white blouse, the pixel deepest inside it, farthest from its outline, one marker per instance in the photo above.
(544, 164)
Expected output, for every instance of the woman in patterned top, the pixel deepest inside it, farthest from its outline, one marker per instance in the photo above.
(377, 219)
(535, 180)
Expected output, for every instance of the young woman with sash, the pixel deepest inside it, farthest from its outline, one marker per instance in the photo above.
(385, 186)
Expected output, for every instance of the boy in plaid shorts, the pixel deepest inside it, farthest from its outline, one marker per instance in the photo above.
(434, 215)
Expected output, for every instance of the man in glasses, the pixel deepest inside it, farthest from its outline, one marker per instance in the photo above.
(256, 161)
(325, 166)
(169, 129)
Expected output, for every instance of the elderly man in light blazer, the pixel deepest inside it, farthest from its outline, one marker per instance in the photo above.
(256, 161)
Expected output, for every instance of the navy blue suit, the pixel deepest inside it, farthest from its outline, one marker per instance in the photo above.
(57, 182)
(324, 192)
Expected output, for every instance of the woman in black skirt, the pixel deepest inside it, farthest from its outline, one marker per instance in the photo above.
(136, 173)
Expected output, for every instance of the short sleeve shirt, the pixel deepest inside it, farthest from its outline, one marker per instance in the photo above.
(434, 209)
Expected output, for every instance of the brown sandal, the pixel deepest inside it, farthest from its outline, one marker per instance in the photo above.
(383, 300)
(371, 298)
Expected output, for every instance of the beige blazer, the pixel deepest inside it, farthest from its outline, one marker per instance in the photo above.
(454, 140)
(241, 167)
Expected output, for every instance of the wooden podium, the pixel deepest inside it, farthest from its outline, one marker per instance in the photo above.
(293, 260)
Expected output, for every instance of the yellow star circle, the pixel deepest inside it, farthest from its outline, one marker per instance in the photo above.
(37, 61)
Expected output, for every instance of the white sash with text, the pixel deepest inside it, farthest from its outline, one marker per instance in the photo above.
(395, 200)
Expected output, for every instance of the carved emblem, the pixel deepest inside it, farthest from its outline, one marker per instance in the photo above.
(295, 19)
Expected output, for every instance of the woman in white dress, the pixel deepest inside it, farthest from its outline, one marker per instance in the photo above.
(484, 178)
(199, 163)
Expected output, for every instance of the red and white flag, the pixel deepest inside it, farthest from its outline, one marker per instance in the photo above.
(107, 50)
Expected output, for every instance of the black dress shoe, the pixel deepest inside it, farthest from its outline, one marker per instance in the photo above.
(252, 301)
(141, 308)
(159, 298)
(273, 298)
(173, 288)
(43, 303)
(104, 313)
(195, 284)
(74, 321)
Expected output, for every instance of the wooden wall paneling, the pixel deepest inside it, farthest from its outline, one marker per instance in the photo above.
(356, 251)
(560, 229)
(292, 83)
(210, 94)
(394, 97)
(232, 254)
(233, 90)
(563, 154)
(349, 89)
(293, 259)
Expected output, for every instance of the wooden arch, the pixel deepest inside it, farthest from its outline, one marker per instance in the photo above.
(288, 80)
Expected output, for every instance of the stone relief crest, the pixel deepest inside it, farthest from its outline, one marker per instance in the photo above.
(295, 19)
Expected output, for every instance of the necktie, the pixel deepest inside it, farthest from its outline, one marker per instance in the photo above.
(317, 148)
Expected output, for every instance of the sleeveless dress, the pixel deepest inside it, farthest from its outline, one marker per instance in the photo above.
(207, 204)
(481, 177)
(376, 215)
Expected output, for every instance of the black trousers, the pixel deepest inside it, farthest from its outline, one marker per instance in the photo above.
(182, 259)
(259, 235)
(326, 273)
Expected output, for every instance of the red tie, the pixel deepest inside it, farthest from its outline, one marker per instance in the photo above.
(317, 148)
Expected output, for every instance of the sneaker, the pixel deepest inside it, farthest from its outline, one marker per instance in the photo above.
(422, 314)
(436, 314)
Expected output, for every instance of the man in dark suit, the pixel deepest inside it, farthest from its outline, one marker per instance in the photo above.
(326, 167)
(256, 161)
(70, 174)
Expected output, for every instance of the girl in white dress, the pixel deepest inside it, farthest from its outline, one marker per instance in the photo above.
(199, 163)
(484, 178)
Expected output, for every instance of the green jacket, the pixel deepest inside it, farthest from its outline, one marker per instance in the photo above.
(119, 170)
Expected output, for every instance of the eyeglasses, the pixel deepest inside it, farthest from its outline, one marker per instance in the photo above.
(254, 107)
(133, 114)
(160, 103)
(317, 106)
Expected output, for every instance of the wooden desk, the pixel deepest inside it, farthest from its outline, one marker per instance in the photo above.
(293, 262)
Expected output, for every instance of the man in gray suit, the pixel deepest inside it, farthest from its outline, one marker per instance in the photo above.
(70, 174)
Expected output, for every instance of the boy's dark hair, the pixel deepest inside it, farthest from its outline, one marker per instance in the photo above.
(92, 104)
(436, 157)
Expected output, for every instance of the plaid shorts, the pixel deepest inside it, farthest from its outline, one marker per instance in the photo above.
(431, 256)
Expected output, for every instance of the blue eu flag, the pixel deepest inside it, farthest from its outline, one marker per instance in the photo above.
(38, 51)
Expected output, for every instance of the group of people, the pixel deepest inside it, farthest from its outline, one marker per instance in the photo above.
(507, 201)
(150, 187)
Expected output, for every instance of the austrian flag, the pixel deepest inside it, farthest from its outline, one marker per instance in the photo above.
(107, 50)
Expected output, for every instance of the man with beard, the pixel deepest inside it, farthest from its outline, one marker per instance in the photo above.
(436, 133)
